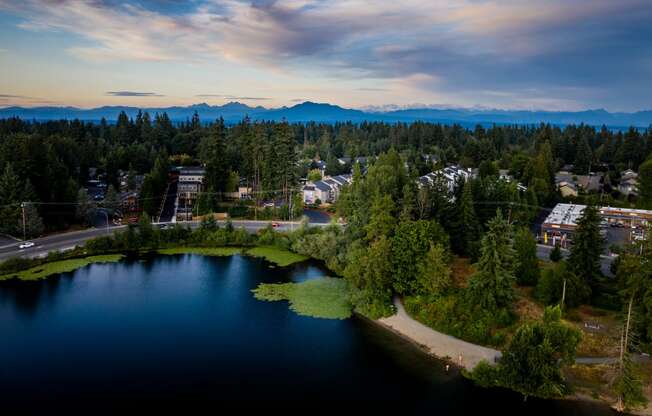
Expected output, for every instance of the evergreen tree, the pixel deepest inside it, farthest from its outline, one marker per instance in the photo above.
(527, 272)
(635, 280)
(587, 247)
(467, 228)
(215, 158)
(491, 287)
(408, 203)
(555, 254)
(645, 185)
(85, 206)
(583, 157)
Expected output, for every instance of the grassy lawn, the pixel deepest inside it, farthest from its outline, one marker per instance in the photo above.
(277, 256)
(204, 251)
(319, 298)
(63, 266)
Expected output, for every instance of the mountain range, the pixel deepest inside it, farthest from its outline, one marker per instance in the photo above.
(308, 111)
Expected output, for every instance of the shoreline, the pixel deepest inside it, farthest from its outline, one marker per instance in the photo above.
(428, 342)
(461, 353)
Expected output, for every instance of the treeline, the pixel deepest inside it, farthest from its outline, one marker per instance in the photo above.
(52, 159)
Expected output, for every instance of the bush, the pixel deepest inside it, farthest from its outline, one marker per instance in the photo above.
(551, 285)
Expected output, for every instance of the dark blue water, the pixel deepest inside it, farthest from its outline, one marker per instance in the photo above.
(185, 332)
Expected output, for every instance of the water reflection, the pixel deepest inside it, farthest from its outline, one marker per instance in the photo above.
(185, 330)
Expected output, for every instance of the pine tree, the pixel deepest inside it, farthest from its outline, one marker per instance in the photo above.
(555, 254)
(645, 184)
(587, 247)
(467, 228)
(583, 157)
(491, 287)
(527, 272)
(85, 206)
(408, 202)
(214, 156)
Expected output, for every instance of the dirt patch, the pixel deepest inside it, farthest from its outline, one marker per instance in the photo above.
(462, 270)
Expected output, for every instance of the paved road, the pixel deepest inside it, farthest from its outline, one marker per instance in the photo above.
(543, 252)
(68, 241)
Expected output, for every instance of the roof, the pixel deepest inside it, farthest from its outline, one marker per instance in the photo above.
(308, 188)
(565, 214)
(568, 214)
(322, 186)
(192, 170)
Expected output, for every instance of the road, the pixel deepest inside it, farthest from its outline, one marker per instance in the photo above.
(543, 253)
(68, 241)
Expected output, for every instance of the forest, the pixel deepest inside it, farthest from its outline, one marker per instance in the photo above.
(47, 163)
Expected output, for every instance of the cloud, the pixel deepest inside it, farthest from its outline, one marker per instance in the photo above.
(561, 52)
(232, 97)
(15, 96)
(372, 89)
(132, 94)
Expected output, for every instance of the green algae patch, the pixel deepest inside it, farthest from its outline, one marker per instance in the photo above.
(62, 266)
(278, 256)
(203, 251)
(326, 297)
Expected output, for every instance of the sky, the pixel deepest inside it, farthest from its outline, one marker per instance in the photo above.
(508, 54)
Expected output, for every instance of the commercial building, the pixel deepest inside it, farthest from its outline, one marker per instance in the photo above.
(560, 225)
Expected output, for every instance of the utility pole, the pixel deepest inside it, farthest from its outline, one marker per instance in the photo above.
(290, 205)
(22, 205)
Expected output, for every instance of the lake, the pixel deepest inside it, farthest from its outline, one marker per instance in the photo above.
(185, 331)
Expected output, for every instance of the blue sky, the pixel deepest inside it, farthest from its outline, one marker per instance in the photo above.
(512, 54)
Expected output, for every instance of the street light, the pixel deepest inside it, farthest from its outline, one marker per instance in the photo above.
(22, 205)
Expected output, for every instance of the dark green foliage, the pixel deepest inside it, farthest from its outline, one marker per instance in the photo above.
(527, 272)
(433, 273)
(645, 184)
(551, 285)
(628, 386)
(467, 227)
(584, 259)
(454, 313)
(555, 254)
(491, 287)
(411, 242)
(532, 362)
(370, 270)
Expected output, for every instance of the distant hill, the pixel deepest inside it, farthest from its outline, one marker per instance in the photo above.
(319, 112)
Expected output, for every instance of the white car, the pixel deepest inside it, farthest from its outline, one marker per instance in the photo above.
(26, 244)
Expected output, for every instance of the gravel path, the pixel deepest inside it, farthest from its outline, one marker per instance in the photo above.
(440, 345)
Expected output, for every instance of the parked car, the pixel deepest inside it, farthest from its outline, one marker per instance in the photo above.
(275, 224)
(26, 244)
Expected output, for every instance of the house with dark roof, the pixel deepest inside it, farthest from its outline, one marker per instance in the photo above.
(326, 190)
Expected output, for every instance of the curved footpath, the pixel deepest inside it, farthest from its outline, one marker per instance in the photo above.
(438, 344)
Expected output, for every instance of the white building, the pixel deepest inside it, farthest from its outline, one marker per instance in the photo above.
(326, 190)
(191, 183)
(452, 175)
